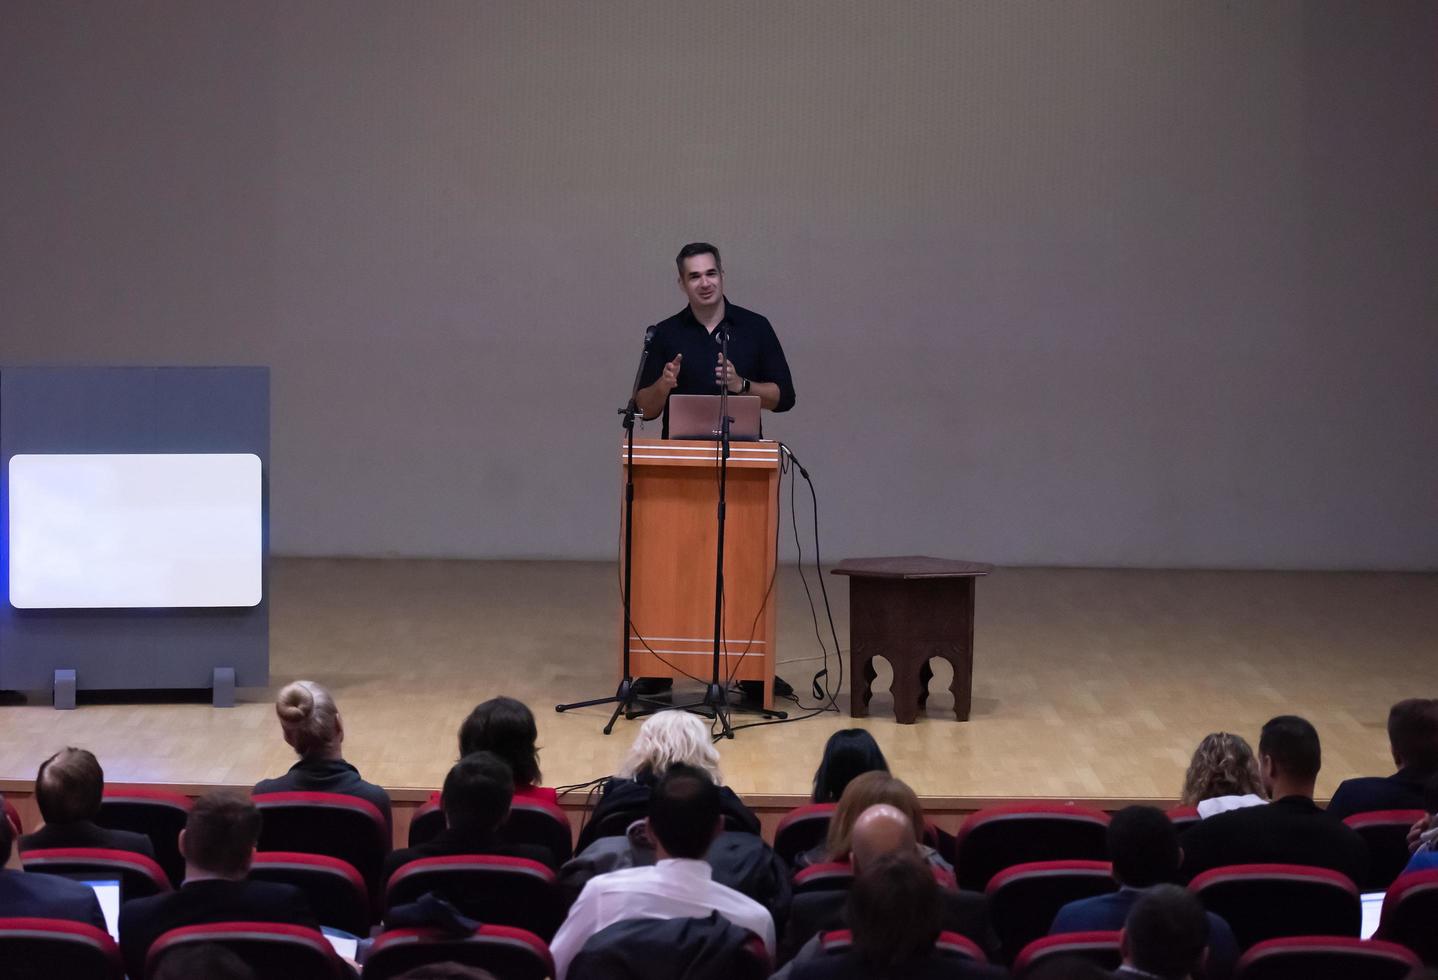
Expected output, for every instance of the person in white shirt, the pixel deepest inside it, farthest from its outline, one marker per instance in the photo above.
(684, 818)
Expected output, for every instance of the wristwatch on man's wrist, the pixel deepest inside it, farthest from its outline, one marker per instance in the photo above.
(744, 388)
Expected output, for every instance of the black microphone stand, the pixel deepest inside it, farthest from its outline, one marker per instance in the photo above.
(715, 703)
(624, 699)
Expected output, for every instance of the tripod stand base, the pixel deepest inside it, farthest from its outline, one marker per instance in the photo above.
(716, 704)
(624, 701)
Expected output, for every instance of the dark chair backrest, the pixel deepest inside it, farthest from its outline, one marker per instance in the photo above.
(1410, 912)
(1024, 899)
(158, 814)
(1099, 948)
(507, 891)
(613, 824)
(831, 876)
(708, 948)
(801, 829)
(335, 890)
(507, 952)
(1269, 901)
(426, 822)
(1326, 958)
(274, 950)
(1183, 817)
(140, 876)
(949, 944)
(1386, 833)
(1001, 837)
(340, 826)
(538, 822)
(56, 949)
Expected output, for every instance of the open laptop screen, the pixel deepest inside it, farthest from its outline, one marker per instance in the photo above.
(107, 891)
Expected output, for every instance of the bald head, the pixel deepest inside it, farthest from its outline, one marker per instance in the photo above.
(881, 829)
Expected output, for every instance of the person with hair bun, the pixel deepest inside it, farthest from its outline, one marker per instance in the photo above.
(312, 726)
(1223, 775)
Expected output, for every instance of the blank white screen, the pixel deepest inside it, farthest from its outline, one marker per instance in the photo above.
(113, 531)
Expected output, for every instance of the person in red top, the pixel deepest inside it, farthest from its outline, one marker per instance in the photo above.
(506, 727)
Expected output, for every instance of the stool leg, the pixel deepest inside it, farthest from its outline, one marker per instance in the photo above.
(861, 683)
(962, 686)
(926, 674)
(905, 690)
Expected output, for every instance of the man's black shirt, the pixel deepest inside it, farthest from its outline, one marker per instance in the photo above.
(754, 351)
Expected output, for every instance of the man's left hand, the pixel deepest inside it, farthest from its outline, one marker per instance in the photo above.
(725, 375)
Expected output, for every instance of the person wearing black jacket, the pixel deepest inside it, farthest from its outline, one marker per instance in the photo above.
(68, 789)
(1413, 740)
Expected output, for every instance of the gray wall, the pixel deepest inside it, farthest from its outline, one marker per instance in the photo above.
(1099, 283)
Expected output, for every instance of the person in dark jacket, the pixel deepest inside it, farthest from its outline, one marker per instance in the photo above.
(313, 728)
(42, 896)
(69, 788)
(1413, 740)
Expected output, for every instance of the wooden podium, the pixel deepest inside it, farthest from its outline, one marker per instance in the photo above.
(676, 498)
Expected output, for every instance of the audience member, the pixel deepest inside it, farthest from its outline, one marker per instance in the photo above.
(477, 795)
(1222, 776)
(1413, 740)
(880, 831)
(893, 911)
(870, 789)
(68, 788)
(849, 752)
(1165, 935)
(665, 738)
(203, 961)
(506, 727)
(1425, 855)
(218, 844)
(313, 728)
(42, 896)
(685, 816)
(1143, 846)
(1290, 830)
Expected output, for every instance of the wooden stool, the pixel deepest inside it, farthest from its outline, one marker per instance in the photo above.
(909, 610)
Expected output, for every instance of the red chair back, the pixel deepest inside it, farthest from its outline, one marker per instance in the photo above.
(801, 829)
(1325, 958)
(334, 889)
(57, 949)
(13, 816)
(1386, 833)
(333, 824)
(1001, 837)
(831, 876)
(1183, 817)
(1024, 899)
(949, 944)
(426, 822)
(1410, 914)
(274, 950)
(140, 876)
(1270, 901)
(541, 823)
(157, 813)
(507, 952)
(507, 891)
(1099, 948)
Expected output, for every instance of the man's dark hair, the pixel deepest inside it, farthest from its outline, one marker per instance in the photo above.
(1413, 733)
(698, 248)
(477, 792)
(221, 832)
(505, 727)
(1292, 743)
(684, 811)
(849, 752)
(895, 914)
(1143, 846)
(1167, 931)
(209, 960)
(69, 786)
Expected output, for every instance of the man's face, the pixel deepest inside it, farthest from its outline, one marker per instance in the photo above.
(701, 280)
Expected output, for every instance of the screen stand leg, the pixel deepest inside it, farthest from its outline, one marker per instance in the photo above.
(222, 688)
(64, 690)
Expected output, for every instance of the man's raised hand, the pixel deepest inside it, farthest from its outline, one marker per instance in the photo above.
(670, 377)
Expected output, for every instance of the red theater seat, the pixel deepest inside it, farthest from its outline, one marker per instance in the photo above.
(427, 821)
(139, 876)
(1270, 901)
(507, 952)
(542, 823)
(275, 951)
(1183, 817)
(157, 813)
(949, 944)
(1001, 837)
(334, 889)
(1410, 914)
(801, 829)
(13, 815)
(1386, 833)
(831, 876)
(1325, 958)
(57, 949)
(1024, 899)
(1099, 948)
(507, 891)
(340, 826)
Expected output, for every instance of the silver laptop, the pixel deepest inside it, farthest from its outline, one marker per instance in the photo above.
(697, 417)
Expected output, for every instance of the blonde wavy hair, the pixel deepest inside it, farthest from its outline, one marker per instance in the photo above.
(864, 791)
(308, 716)
(1222, 765)
(669, 737)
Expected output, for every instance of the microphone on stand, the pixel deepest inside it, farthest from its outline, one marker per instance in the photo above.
(632, 408)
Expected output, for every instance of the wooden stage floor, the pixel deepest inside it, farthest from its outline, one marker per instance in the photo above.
(1088, 684)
